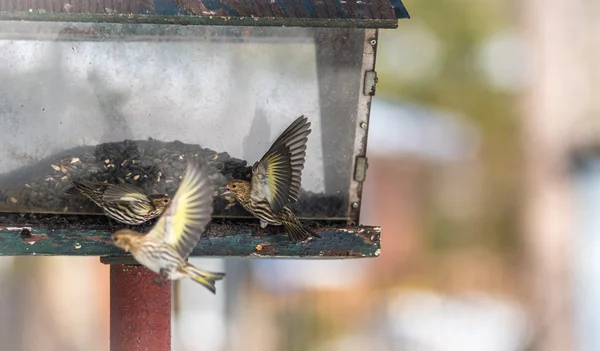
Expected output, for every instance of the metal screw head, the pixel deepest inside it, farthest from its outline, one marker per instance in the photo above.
(355, 205)
(363, 125)
(373, 42)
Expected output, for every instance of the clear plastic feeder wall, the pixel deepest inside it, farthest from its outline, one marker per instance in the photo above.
(129, 103)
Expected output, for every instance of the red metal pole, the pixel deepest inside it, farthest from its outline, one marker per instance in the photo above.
(140, 310)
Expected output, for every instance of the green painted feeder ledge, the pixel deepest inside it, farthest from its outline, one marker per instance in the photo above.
(124, 92)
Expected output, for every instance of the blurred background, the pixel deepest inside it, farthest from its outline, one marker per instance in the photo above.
(482, 175)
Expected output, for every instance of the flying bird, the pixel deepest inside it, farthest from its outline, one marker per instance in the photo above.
(165, 248)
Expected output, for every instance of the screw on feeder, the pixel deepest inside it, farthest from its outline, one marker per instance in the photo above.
(355, 205)
(363, 125)
(373, 42)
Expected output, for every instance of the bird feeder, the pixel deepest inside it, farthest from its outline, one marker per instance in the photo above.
(125, 91)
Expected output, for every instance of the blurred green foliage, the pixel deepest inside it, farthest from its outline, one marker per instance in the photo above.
(460, 27)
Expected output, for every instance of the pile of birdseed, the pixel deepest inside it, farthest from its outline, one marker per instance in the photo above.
(153, 165)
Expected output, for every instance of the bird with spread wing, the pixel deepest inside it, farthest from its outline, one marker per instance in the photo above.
(276, 181)
(165, 248)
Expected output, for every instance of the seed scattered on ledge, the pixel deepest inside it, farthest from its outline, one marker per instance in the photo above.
(259, 247)
(136, 177)
(74, 160)
(55, 167)
(77, 246)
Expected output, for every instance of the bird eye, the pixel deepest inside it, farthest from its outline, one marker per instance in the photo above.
(166, 201)
(234, 186)
(114, 238)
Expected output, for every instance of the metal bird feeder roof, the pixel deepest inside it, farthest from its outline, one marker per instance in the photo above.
(289, 13)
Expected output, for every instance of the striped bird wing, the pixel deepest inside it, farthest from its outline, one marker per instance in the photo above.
(278, 175)
(128, 212)
(125, 193)
(92, 191)
(184, 221)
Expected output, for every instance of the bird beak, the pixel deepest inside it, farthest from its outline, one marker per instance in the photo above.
(226, 191)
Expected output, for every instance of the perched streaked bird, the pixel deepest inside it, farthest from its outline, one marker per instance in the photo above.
(165, 248)
(125, 203)
(276, 181)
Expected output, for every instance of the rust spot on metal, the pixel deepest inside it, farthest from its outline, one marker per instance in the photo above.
(35, 238)
(334, 253)
(370, 236)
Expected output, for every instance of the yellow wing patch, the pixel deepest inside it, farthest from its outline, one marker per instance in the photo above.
(184, 221)
(277, 176)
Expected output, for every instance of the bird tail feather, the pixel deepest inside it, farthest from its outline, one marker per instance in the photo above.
(297, 232)
(207, 279)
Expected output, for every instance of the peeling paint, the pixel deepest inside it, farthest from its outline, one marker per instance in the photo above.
(33, 239)
(16, 228)
(71, 236)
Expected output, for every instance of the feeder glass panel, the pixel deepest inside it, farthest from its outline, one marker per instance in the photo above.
(129, 103)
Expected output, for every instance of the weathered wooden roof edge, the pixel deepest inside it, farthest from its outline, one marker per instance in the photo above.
(293, 13)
